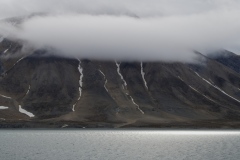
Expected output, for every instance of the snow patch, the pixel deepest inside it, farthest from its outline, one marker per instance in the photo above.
(217, 87)
(73, 108)
(65, 125)
(125, 86)
(21, 110)
(197, 91)
(29, 87)
(193, 89)
(180, 78)
(80, 69)
(105, 80)
(18, 61)
(138, 107)
(201, 94)
(121, 76)
(5, 96)
(143, 76)
(3, 107)
(5, 51)
(211, 81)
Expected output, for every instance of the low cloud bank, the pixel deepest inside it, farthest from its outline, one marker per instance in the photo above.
(127, 33)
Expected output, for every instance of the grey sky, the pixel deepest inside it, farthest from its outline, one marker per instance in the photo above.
(141, 8)
(109, 29)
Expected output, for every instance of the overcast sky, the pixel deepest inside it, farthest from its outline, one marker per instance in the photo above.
(127, 29)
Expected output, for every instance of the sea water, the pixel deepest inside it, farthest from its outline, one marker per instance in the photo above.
(119, 145)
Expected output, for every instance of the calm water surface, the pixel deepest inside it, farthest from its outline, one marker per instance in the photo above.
(118, 145)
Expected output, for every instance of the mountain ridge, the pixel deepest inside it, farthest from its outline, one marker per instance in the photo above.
(76, 92)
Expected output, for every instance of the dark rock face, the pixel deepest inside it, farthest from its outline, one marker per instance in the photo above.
(228, 59)
(116, 94)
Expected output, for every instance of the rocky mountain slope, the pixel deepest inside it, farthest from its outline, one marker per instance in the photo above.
(40, 89)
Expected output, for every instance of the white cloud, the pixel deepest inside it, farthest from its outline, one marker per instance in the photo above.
(141, 8)
(165, 29)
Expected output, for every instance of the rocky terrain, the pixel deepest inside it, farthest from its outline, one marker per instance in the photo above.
(41, 90)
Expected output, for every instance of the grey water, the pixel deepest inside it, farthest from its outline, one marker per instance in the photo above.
(118, 145)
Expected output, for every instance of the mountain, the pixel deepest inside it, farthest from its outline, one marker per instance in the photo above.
(39, 89)
(228, 59)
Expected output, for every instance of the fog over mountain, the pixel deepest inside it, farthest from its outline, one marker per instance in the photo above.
(126, 30)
